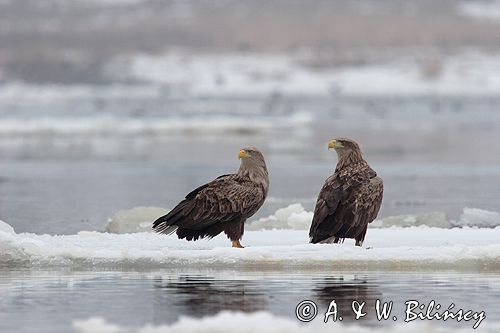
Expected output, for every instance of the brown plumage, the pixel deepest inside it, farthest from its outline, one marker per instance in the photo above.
(224, 204)
(350, 198)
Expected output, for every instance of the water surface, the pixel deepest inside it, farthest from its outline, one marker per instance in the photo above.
(39, 301)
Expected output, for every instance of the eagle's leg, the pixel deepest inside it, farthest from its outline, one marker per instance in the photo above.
(336, 240)
(361, 237)
(234, 232)
(236, 243)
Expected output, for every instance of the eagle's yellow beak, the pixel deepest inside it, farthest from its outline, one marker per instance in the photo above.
(334, 144)
(243, 153)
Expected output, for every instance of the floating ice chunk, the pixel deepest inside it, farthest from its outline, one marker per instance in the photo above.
(433, 219)
(138, 219)
(291, 217)
(300, 221)
(4, 227)
(95, 325)
(474, 217)
(258, 322)
(48, 93)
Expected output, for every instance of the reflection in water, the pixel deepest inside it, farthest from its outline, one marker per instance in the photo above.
(55, 299)
(200, 295)
(345, 289)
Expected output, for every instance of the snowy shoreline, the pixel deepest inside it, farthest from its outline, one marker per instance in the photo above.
(470, 72)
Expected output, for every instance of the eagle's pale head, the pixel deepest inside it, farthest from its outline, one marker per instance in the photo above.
(346, 148)
(251, 154)
(253, 165)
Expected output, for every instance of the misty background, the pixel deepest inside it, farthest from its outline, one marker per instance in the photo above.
(88, 42)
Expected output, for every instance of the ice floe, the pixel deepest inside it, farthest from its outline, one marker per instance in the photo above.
(395, 248)
(138, 219)
(432, 219)
(293, 216)
(267, 322)
(474, 217)
(6, 228)
(21, 93)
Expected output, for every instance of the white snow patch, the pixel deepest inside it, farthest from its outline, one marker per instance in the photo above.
(96, 325)
(474, 217)
(229, 74)
(138, 219)
(432, 219)
(266, 322)
(293, 216)
(482, 9)
(7, 228)
(20, 92)
(465, 74)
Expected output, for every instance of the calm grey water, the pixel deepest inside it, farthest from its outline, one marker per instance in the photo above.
(49, 301)
(66, 197)
(69, 165)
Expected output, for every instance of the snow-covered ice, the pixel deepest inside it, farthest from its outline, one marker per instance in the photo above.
(6, 228)
(432, 219)
(265, 322)
(395, 248)
(137, 219)
(293, 216)
(474, 217)
(279, 240)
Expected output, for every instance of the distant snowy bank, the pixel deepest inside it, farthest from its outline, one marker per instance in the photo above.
(295, 217)
(181, 73)
(389, 248)
(480, 10)
(266, 322)
(468, 73)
